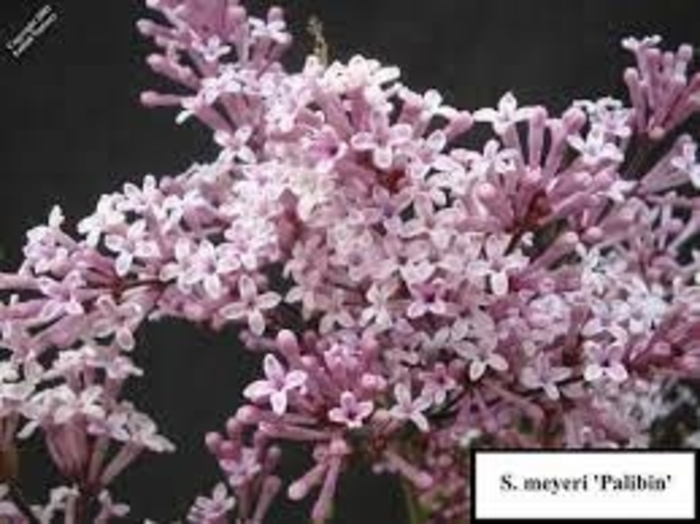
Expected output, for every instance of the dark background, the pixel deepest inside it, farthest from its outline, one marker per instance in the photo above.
(71, 128)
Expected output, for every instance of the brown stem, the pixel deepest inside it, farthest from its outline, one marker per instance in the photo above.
(82, 506)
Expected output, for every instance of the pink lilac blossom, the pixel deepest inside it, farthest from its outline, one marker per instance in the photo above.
(214, 510)
(532, 292)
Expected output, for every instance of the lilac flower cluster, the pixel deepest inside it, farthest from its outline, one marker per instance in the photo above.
(539, 291)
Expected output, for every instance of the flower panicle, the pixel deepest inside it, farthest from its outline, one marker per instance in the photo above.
(409, 295)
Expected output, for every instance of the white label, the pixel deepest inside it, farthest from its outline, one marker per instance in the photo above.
(584, 485)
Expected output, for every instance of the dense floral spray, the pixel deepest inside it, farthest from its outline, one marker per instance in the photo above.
(411, 296)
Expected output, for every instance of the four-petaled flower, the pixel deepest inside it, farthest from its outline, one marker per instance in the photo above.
(351, 412)
(475, 339)
(609, 114)
(118, 319)
(686, 162)
(105, 218)
(407, 408)
(379, 297)
(428, 298)
(274, 30)
(251, 305)
(382, 145)
(438, 383)
(277, 385)
(62, 298)
(595, 148)
(496, 265)
(481, 358)
(109, 509)
(242, 468)
(143, 433)
(491, 160)
(605, 361)
(541, 374)
(635, 44)
(212, 49)
(214, 509)
(133, 243)
(507, 115)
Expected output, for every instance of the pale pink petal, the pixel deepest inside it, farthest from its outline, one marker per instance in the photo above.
(485, 115)
(416, 309)
(182, 249)
(258, 390)
(362, 142)
(234, 311)
(617, 372)
(364, 409)
(114, 242)
(383, 157)
(529, 378)
(552, 391)
(348, 400)
(212, 285)
(337, 415)
(169, 271)
(421, 422)
(273, 368)
(295, 379)
(247, 288)
(592, 372)
(497, 362)
(499, 283)
(402, 394)
(278, 401)
(268, 300)
(256, 322)
(73, 307)
(560, 373)
(125, 339)
(477, 369)
(63, 414)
